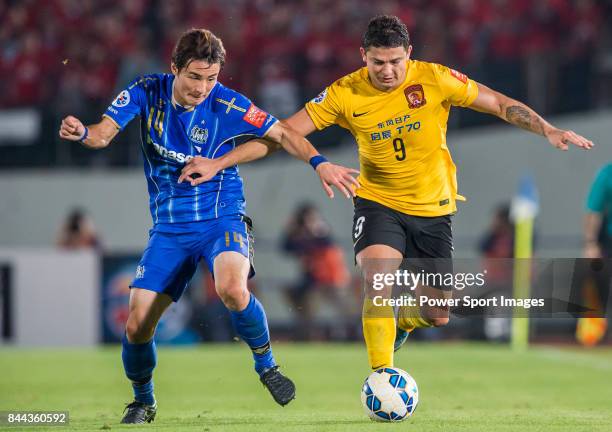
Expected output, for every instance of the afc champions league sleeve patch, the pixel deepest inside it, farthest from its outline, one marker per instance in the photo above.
(122, 99)
(415, 95)
(320, 97)
(255, 116)
(461, 77)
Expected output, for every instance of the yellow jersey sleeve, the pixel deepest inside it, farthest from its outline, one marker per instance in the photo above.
(456, 87)
(326, 109)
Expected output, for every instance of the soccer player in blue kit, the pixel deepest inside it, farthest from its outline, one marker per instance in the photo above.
(188, 115)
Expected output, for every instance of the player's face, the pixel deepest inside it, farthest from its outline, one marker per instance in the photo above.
(194, 82)
(386, 66)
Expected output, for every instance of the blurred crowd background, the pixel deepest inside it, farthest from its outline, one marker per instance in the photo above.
(73, 56)
(60, 57)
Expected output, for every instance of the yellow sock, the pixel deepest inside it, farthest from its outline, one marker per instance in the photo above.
(379, 333)
(408, 318)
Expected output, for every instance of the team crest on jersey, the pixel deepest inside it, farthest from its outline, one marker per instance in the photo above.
(320, 97)
(415, 95)
(140, 271)
(122, 99)
(199, 135)
(255, 116)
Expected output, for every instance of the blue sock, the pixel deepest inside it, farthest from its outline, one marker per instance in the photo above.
(251, 325)
(139, 360)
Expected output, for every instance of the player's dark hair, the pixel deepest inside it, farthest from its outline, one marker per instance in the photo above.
(386, 31)
(198, 44)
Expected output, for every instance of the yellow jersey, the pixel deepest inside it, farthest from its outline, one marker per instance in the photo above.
(401, 135)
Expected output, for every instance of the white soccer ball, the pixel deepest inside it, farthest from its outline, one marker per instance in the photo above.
(389, 395)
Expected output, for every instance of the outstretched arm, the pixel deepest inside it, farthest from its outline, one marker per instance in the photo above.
(519, 114)
(298, 146)
(247, 152)
(94, 136)
(292, 141)
(288, 134)
(257, 148)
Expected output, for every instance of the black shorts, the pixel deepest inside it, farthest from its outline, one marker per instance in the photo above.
(413, 236)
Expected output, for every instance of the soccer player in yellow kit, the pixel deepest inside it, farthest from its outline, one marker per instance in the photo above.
(397, 110)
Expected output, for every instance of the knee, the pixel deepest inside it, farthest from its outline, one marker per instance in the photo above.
(439, 322)
(374, 283)
(233, 293)
(137, 330)
(371, 280)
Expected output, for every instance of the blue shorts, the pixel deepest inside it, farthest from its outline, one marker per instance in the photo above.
(174, 251)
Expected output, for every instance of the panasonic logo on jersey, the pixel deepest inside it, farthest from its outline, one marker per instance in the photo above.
(171, 154)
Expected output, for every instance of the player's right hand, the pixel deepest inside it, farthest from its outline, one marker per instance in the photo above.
(339, 177)
(71, 129)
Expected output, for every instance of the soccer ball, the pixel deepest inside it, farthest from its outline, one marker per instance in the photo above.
(389, 394)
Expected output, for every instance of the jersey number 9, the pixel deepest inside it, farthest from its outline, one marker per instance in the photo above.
(400, 149)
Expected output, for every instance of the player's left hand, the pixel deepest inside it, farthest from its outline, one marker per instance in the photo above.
(338, 176)
(561, 139)
(198, 170)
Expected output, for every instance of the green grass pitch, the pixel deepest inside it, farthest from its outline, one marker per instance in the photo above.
(463, 387)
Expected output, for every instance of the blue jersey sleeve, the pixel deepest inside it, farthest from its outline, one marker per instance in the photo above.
(239, 116)
(128, 104)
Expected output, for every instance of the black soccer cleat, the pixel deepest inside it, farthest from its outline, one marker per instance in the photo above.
(138, 412)
(281, 388)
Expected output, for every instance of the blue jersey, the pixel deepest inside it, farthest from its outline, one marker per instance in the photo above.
(172, 135)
